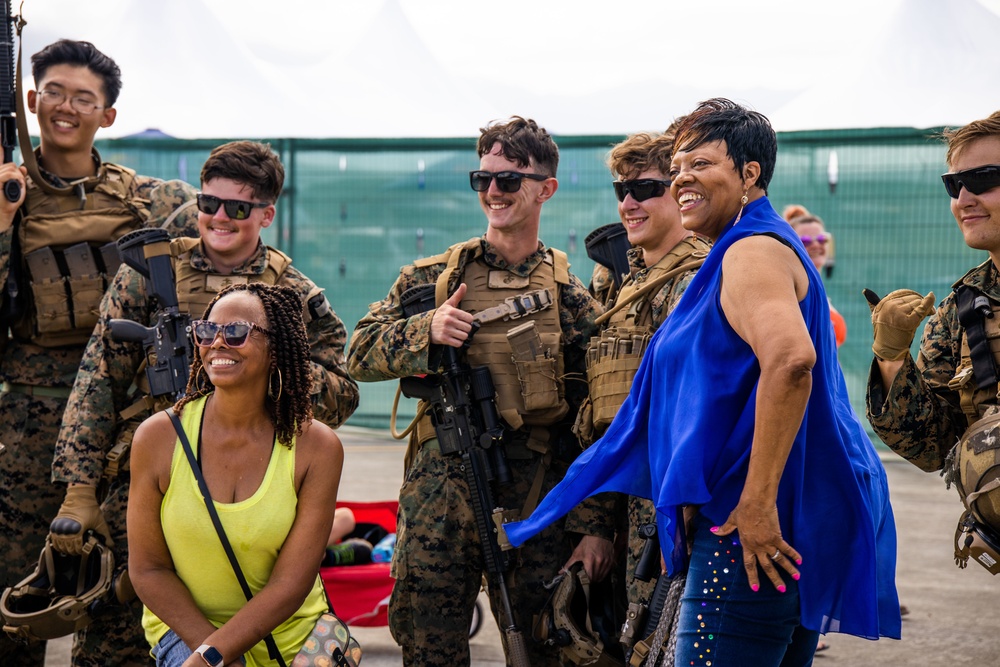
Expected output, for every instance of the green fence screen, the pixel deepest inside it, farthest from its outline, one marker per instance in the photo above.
(356, 210)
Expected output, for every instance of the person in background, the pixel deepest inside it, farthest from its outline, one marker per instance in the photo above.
(739, 427)
(56, 259)
(819, 244)
(272, 471)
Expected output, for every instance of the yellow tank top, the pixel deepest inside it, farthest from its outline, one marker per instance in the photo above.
(256, 527)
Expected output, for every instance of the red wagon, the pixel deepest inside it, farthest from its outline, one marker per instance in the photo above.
(360, 593)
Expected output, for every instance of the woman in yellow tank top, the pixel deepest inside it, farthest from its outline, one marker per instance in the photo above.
(272, 472)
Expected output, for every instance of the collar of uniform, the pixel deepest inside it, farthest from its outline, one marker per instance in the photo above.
(58, 182)
(254, 266)
(984, 278)
(493, 258)
(636, 264)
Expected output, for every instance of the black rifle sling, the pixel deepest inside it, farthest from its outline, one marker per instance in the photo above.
(272, 648)
(973, 309)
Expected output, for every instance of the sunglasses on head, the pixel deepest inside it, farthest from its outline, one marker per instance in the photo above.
(234, 334)
(640, 189)
(819, 238)
(977, 181)
(507, 181)
(236, 209)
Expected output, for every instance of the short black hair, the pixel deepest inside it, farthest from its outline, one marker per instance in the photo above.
(748, 135)
(81, 54)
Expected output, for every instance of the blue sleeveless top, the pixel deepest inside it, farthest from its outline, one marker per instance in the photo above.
(683, 437)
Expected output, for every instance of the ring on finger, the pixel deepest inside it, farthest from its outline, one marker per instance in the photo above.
(777, 555)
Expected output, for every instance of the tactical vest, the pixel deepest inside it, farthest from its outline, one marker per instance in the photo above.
(67, 242)
(614, 357)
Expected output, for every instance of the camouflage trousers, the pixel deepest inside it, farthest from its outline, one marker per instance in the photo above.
(114, 637)
(438, 563)
(28, 498)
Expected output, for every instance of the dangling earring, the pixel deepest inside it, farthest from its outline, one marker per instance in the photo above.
(743, 202)
(270, 386)
(202, 383)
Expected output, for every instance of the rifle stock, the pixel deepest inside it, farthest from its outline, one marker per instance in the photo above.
(608, 246)
(467, 424)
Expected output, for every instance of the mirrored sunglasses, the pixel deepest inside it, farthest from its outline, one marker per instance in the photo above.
(640, 189)
(507, 181)
(234, 334)
(236, 209)
(819, 238)
(977, 181)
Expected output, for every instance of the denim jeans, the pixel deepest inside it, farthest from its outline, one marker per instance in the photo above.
(724, 624)
(170, 651)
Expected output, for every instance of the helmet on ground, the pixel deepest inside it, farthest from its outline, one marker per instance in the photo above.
(58, 598)
(579, 619)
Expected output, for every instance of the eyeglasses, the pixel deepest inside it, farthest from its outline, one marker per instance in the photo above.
(81, 105)
(236, 209)
(234, 334)
(977, 181)
(507, 181)
(821, 239)
(641, 189)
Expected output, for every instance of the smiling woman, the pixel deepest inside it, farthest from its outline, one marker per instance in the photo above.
(272, 472)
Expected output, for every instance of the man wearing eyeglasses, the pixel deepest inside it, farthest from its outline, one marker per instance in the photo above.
(110, 396)
(438, 563)
(921, 408)
(56, 258)
(663, 259)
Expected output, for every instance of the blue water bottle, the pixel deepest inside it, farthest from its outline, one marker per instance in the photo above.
(382, 552)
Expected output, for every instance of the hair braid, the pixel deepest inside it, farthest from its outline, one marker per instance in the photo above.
(289, 348)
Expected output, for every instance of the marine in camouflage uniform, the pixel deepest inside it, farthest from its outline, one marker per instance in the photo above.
(37, 378)
(92, 424)
(438, 563)
(652, 221)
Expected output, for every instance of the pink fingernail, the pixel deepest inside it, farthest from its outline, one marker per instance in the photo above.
(781, 588)
(754, 587)
(714, 529)
(796, 576)
(798, 561)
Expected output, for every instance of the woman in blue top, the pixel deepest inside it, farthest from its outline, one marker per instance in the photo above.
(739, 427)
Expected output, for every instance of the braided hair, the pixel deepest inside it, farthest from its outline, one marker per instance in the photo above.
(289, 404)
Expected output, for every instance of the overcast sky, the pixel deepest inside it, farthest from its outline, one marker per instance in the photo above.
(327, 68)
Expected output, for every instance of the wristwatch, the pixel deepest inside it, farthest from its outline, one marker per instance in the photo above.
(210, 655)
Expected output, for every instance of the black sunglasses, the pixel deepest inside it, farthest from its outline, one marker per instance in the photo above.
(234, 334)
(507, 181)
(640, 189)
(977, 181)
(236, 209)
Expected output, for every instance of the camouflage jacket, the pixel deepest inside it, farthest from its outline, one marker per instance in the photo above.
(103, 387)
(23, 362)
(921, 418)
(386, 346)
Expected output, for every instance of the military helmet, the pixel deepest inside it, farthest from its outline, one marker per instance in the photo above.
(578, 618)
(977, 463)
(58, 598)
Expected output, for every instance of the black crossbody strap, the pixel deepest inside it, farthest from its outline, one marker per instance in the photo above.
(973, 309)
(272, 647)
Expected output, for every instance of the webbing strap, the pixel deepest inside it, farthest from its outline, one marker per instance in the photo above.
(973, 309)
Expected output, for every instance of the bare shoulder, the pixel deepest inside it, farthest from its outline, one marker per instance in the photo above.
(319, 440)
(759, 260)
(155, 431)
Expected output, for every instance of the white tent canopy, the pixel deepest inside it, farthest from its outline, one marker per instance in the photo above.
(411, 68)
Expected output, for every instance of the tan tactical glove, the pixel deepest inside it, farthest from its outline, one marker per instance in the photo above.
(895, 319)
(78, 514)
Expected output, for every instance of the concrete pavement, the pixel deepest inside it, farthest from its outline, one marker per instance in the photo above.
(953, 614)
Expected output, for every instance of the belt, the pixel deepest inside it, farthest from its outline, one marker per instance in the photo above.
(33, 390)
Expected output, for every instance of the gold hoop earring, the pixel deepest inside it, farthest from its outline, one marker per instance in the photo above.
(202, 383)
(270, 386)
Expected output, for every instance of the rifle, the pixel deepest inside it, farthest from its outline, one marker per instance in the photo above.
(466, 421)
(8, 115)
(148, 252)
(639, 633)
(608, 246)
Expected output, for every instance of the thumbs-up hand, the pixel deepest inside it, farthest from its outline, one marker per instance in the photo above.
(451, 325)
(895, 319)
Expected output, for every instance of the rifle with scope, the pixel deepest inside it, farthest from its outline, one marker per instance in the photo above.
(467, 423)
(148, 252)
